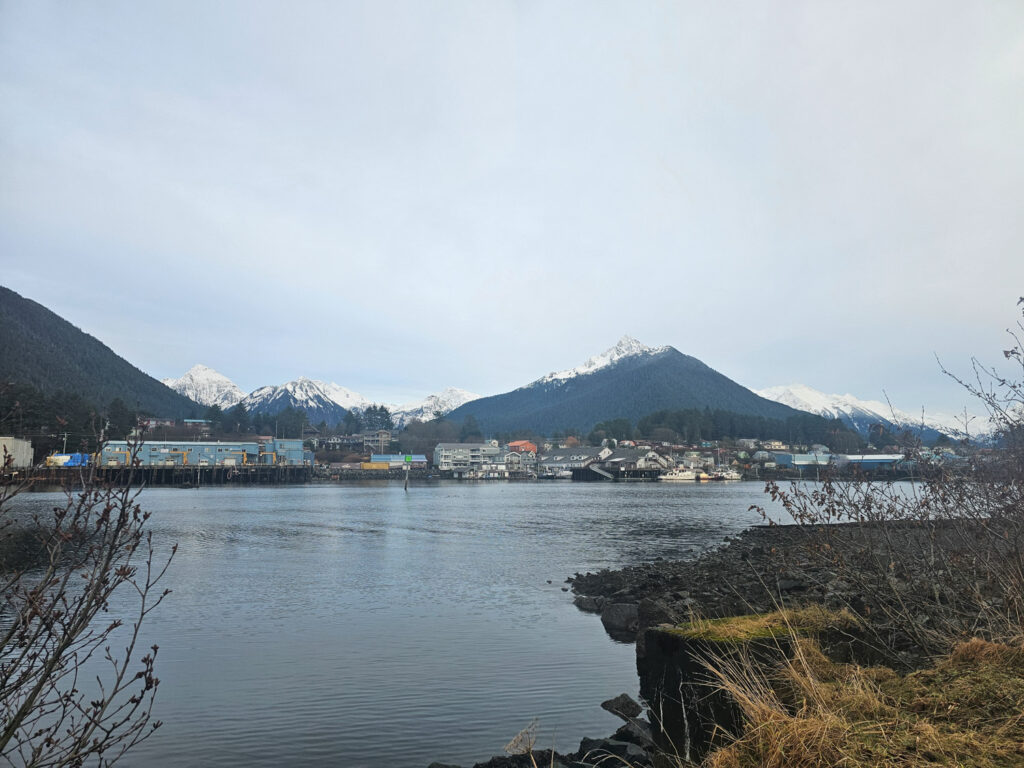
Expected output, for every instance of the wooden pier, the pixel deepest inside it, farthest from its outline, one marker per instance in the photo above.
(174, 477)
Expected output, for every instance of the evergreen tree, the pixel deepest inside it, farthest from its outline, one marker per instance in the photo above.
(470, 430)
(352, 425)
(377, 417)
(121, 420)
(238, 418)
(215, 415)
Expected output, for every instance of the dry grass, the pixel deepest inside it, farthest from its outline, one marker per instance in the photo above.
(966, 710)
(781, 623)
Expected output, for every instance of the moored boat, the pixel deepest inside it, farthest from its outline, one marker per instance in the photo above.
(678, 475)
(726, 473)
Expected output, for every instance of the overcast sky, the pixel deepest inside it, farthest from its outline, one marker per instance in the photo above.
(400, 197)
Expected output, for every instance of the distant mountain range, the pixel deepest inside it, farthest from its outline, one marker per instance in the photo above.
(628, 381)
(320, 400)
(42, 350)
(862, 415)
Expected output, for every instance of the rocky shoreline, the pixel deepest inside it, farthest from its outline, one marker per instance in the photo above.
(748, 573)
(760, 570)
(738, 577)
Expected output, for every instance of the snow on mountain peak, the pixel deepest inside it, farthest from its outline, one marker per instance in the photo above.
(627, 346)
(858, 412)
(207, 387)
(443, 402)
(307, 390)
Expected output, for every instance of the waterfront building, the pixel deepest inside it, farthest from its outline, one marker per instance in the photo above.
(399, 460)
(801, 460)
(165, 453)
(522, 446)
(869, 462)
(19, 451)
(519, 462)
(461, 456)
(568, 459)
(635, 458)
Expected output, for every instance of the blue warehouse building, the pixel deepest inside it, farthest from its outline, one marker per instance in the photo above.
(400, 459)
(205, 454)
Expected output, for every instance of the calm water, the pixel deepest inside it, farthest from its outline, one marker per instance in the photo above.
(365, 626)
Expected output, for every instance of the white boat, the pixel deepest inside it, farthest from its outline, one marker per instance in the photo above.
(727, 474)
(678, 475)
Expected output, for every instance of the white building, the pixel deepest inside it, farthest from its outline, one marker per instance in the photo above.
(19, 451)
(452, 457)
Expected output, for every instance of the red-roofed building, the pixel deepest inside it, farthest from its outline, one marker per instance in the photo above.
(522, 446)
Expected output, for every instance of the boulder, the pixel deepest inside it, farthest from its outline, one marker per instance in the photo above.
(588, 603)
(622, 706)
(621, 618)
(637, 732)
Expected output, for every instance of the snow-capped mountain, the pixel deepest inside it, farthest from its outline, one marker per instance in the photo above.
(207, 387)
(628, 381)
(627, 347)
(861, 414)
(443, 403)
(320, 400)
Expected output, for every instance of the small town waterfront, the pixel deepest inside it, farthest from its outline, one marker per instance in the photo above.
(360, 625)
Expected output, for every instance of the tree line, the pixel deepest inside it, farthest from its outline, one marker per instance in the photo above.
(692, 425)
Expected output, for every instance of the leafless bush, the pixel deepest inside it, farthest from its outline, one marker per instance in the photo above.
(941, 558)
(68, 695)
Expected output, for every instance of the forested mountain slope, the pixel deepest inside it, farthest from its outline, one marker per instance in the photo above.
(42, 350)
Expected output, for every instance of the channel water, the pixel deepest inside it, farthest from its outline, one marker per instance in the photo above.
(362, 625)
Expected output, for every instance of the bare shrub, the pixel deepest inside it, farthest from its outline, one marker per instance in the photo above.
(52, 631)
(939, 559)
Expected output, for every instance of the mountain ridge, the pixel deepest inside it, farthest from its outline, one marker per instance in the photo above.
(861, 415)
(40, 349)
(630, 380)
(323, 401)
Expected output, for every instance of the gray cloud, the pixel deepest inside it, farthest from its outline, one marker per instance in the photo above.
(402, 196)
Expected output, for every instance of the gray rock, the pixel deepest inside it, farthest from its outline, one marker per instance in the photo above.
(593, 750)
(791, 585)
(623, 706)
(588, 603)
(636, 732)
(620, 617)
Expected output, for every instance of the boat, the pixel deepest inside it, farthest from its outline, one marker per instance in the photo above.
(726, 473)
(678, 475)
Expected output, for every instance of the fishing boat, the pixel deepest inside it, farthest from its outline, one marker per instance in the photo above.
(678, 475)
